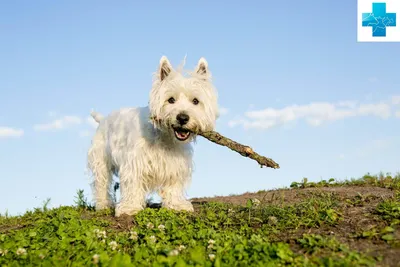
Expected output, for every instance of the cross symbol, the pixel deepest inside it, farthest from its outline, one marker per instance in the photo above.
(378, 19)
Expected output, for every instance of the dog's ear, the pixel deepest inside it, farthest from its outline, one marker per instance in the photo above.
(202, 68)
(165, 68)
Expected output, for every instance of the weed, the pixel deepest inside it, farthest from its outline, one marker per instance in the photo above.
(381, 180)
(330, 252)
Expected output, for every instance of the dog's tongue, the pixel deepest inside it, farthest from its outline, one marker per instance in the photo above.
(182, 134)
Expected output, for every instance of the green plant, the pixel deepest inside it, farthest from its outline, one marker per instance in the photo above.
(258, 233)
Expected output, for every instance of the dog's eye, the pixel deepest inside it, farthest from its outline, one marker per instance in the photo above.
(195, 101)
(171, 100)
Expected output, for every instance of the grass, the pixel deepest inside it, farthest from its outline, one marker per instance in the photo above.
(380, 180)
(329, 223)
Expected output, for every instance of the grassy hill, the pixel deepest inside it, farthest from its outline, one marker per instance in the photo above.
(330, 223)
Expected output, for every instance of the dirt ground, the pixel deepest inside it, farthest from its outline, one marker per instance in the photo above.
(291, 196)
(354, 221)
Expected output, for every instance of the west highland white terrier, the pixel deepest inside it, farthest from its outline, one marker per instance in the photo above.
(149, 148)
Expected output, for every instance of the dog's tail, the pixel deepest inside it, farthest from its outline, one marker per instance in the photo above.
(96, 116)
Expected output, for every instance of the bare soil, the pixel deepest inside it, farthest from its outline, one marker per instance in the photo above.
(291, 196)
(354, 217)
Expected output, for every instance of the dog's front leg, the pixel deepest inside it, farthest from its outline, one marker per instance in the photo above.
(133, 194)
(173, 196)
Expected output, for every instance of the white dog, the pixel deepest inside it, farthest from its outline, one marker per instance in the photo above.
(149, 148)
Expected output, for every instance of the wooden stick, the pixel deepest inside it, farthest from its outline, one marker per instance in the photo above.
(243, 150)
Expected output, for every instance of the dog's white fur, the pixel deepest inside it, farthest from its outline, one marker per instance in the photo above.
(139, 144)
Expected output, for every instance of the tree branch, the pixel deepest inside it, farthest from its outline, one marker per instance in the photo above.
(243, 150)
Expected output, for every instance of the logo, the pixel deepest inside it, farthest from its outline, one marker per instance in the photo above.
(377, 21)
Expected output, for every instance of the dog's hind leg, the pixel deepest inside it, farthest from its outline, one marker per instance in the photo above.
(101, 169)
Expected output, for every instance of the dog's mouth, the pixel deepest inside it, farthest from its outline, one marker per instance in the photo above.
(181, 134)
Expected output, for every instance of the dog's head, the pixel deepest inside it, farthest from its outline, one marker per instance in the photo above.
(180, 104)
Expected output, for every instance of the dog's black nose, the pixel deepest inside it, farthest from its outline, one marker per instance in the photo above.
(182, 118)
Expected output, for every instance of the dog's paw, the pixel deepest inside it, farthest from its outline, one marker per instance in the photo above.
(180, 206)
(120, 210)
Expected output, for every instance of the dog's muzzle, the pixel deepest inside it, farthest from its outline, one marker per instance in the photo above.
(181, 134)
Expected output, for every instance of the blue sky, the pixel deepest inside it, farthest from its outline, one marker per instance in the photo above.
(295, 85)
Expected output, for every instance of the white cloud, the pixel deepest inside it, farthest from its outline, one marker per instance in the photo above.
(396, 100)
(92, 122)
(58, 124)
(314, 114)
(6, 132)
(347, 104)
(259, 124)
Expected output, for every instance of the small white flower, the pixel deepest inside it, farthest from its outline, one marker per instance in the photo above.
(96, 258)
(113, 245)
(256, 202)
(181, 247)
(100, 234)
(21, 251)
(211, 243)
(150, 225)
(231, 211)
(3, 252)
(211, 256)
(133, 235)
(174, 252)
(153, 238)
(41, 256)
(161, 227)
